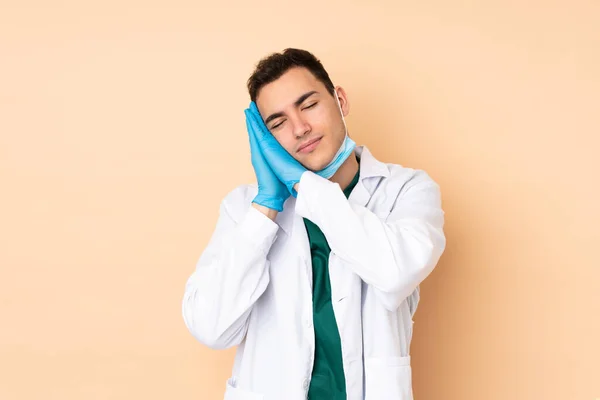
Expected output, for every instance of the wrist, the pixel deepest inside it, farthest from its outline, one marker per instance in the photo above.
(269, 212)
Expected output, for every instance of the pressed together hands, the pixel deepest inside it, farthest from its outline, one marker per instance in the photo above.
(277, 172)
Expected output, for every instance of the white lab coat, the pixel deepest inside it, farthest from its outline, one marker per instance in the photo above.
(252, 286)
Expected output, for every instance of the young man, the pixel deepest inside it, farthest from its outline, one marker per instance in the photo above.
(314, 272)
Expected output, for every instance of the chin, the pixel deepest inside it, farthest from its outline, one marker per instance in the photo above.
(318, 159)
(316, 162)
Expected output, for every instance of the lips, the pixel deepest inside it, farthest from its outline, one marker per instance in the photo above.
(309, 145)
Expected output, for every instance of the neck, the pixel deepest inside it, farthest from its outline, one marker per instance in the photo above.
(345, 173)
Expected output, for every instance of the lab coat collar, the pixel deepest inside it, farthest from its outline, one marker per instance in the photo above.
(370, 167)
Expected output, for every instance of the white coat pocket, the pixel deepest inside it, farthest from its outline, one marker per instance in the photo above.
(234, 393)
(388, 378)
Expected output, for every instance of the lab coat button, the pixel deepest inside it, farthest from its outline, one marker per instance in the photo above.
(305, 384)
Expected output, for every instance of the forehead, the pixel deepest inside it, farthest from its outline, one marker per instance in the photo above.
(282, 92)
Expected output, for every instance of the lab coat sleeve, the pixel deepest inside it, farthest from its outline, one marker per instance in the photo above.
(230, 275)
(392, 255)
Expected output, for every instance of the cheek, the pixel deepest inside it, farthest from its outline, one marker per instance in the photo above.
(326, 121)
(320, 119)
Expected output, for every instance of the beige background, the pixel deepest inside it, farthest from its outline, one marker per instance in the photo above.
(121, 128)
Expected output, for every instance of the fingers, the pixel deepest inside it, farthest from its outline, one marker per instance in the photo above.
(270, 148)
(251, 138)
(254, 108)
(260, 129)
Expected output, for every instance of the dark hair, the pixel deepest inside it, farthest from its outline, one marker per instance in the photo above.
(275, 65)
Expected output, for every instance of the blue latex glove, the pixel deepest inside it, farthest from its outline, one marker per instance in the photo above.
(286, 167)
(272, 193)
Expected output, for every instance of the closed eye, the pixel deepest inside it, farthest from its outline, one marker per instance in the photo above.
(277, 125)
(305, 108)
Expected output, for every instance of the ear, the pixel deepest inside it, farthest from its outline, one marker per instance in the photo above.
(343, 98)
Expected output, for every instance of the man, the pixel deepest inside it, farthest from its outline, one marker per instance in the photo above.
(314, 272)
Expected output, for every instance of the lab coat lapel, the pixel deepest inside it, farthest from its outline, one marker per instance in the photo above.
(293, 226)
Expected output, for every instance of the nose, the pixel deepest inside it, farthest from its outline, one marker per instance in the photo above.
(299, 126)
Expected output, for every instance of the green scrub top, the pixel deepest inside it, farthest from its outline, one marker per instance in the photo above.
(327, 381)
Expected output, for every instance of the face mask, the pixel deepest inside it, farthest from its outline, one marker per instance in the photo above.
(345, 150)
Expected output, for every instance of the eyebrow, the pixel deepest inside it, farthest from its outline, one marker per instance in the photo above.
(299, 101)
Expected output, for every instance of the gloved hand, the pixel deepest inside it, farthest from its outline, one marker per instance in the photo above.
(286, 167)
(272, 193)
